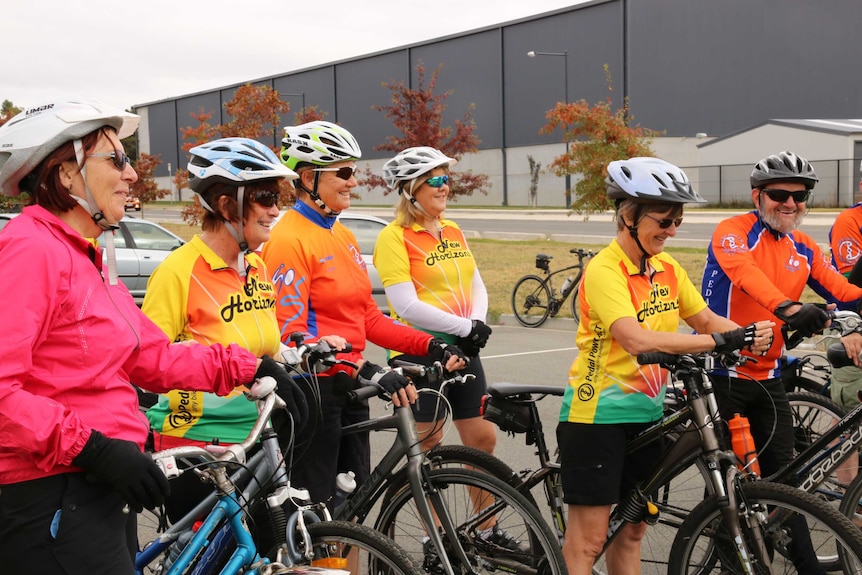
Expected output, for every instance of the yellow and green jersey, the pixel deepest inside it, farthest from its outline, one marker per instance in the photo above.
(195, 296)
(606, 384)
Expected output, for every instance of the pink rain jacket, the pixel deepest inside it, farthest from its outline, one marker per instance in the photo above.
(70, 344)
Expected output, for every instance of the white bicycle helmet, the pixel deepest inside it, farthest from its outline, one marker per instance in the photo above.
(233, 161)
(649, 180)
(319, 143)
(32, 135)
(411, 163)
(785, 166)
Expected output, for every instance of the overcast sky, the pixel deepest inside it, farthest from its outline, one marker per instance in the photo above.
(128, 53)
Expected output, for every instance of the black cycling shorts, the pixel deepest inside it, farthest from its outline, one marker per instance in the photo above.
(595, 467)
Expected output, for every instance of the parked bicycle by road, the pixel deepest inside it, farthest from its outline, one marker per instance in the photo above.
(535, 299)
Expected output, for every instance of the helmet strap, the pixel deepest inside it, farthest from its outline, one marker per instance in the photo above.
(315, 196)
(413, 201)
(238, 233)
(98, 216)
(633, 232)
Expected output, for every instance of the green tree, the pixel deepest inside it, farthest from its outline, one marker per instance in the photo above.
(418, 116)
(7, 110)
(597, 135)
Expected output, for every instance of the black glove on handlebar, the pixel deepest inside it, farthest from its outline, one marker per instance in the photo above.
(734, 339)
(389, 381)
(811, 318)
(439, 350)
(121, 465)
(287, 390)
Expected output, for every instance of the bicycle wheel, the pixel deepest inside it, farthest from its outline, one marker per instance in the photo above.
(495, 525)
(531, 300)
(851, 504)
(460, 455)
(813, 415)
(376, 554)
(788, 520)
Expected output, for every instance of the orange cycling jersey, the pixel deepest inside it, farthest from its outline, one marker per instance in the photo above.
(845, 239)
(751, 269)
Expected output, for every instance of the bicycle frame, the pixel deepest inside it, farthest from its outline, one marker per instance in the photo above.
(407, 444)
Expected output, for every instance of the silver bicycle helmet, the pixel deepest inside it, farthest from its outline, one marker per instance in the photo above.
(319, 143)
(783, 167)
(233, 161)
(649, 180)
(29, 137)
(411, 163)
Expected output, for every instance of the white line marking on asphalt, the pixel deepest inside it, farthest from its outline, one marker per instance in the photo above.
(484, 357)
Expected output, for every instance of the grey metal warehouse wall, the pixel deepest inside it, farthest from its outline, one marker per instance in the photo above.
(686, 66)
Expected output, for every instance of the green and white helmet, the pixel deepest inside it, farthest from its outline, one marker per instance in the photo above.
(320, 143)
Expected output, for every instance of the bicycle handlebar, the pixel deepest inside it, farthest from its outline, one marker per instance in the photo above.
(705, 360)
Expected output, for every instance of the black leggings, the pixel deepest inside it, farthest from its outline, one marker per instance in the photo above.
(765, 405)
(63, 524)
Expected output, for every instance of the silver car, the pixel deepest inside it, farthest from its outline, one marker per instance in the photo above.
(141, 245)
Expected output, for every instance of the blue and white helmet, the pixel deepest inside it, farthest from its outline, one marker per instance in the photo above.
(233, 161)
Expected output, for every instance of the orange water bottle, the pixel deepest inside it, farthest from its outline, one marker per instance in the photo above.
(743, 444)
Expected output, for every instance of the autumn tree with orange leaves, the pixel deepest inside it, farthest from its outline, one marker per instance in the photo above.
(254, 112)
(145, 187)
(418, 115)
(597, 135)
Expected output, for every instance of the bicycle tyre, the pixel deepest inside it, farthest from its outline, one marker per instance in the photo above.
(531, 301)
(851, 503)
(463, 455)
(576, 314)
(702, 545)
(813, 415)
(378, 554)
(471, 497)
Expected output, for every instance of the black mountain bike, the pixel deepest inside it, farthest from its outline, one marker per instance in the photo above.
(535, 298)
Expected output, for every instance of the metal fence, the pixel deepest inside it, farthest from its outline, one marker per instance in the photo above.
(728, 185)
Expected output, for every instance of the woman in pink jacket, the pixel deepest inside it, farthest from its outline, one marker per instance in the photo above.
(71, 432)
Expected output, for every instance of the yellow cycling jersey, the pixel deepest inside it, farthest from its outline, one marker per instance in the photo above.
(195, 296)
(606, 384)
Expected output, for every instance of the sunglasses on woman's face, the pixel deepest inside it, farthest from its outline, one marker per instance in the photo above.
(266, 198)
(117, 157)
(780, 196)
(344, 172)
(666, 222)
(437, 181)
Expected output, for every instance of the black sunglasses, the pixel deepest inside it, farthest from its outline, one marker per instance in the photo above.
(780, 196)
(344, 172)
(119, 158)
(266, 198)
(666, 222)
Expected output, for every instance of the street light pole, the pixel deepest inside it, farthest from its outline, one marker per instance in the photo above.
(565, 55)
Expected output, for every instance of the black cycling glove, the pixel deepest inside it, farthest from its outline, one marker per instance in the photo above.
(121, 465)
(287, 390)
(439, 350)
(734, 339)
(476, 339)
(388, 381)
(811, 318)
